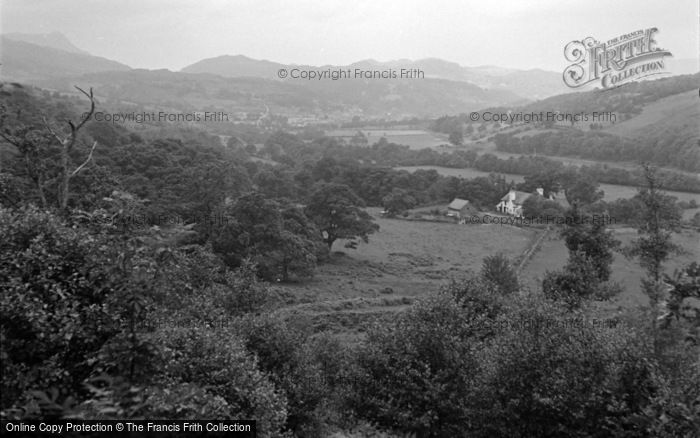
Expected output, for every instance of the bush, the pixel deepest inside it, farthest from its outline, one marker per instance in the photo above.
(578, 282)
(416, 374)
(284, 353)
(497, 270)
(185, 401)
(54, 286)
(550, 375)
(218, 361)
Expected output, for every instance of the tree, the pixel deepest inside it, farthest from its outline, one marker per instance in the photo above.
(456, 138)
(547, 374)
(279, 241)
(589, 236)
(216, 359)
(538, 207)
(587, 272)
(582, 191)
(67, 143)
(576, 283)
(71, 302)
(548, 180)
(275, 183)
(416, 372)
(659, 218)
(338, 213)
(251, 149)
(497, 270)
(398, 201)
(35, 148)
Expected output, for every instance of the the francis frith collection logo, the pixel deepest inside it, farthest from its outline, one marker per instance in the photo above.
(615, 62)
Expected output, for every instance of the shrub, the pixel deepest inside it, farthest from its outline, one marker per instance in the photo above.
(416, 374)
(54, 284)
(218, 361)
(497, 270)
(550, 375)
(284, 354)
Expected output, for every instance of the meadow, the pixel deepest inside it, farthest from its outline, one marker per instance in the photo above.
(402, 261)
(552, 255)
(406, 260)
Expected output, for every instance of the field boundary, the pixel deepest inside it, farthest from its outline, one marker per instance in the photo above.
(529, 252)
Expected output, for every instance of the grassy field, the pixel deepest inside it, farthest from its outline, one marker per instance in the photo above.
(553, 254)
(407, 260)
(402, 261)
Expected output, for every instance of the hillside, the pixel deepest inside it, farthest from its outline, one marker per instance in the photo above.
(529, 84)
(26, 62)
(676, 112)
(53, 40)
(652, 121)
(393, 99)
(236, 67)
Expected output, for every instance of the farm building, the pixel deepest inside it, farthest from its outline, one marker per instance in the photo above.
(460, 209)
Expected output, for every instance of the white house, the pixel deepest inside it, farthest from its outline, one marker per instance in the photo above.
(512, 202)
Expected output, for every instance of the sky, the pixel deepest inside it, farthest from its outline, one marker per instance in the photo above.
(523, 34)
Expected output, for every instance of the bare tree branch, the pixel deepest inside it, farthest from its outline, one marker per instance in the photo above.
(87, 115)
(87, 160)
(51, 131)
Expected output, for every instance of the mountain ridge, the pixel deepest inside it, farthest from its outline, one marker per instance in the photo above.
(22, 61)
(529, 84)
(54, 40)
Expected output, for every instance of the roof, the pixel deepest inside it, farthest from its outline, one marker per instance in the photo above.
(520, 197)
(458, 204)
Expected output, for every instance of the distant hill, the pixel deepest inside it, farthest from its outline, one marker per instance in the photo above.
(397, 99)
(53, 40)
(235, 66)
(627, 101)
(26, 62)
(256, 87)
(529, 84)
(678, 112)
(655, 121)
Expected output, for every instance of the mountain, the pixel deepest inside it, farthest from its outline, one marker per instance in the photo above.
(53, 40)
(241, 84)
(235, 66)
(26, 62)
(529, 84)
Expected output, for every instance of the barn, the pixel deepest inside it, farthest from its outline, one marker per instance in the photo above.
(460, 209)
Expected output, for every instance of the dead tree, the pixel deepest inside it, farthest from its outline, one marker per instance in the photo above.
(67, 142)
(33, 148)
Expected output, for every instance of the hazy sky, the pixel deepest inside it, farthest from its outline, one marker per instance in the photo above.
(519, 33)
